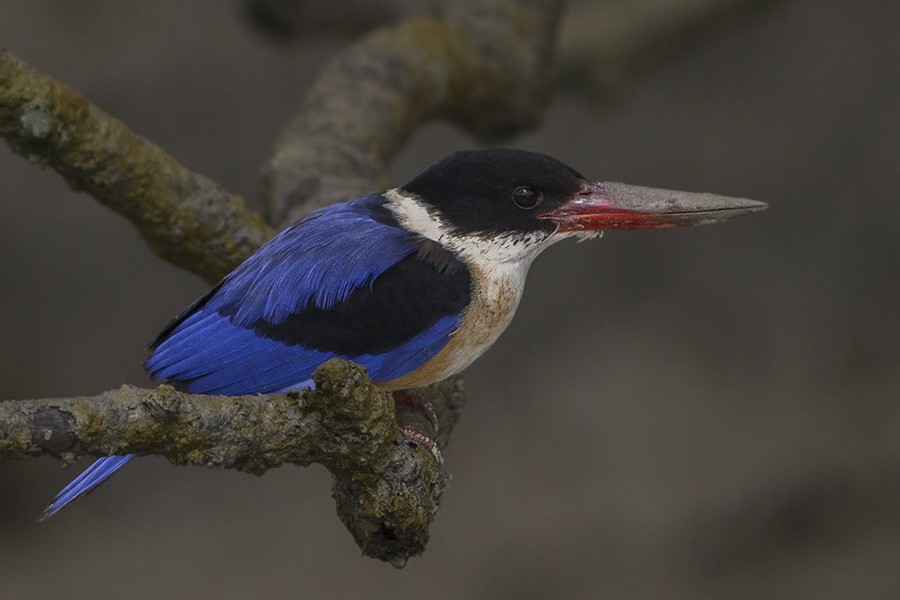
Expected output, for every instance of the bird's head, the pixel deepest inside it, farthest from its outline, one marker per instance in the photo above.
(508, 205)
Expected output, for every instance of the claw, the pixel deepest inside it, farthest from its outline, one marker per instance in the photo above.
(420, 439)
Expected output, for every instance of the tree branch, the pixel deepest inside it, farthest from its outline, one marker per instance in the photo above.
(185, 218)
(387, 492)
(484, 65)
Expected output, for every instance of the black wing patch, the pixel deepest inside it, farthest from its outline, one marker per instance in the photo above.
(402, 302)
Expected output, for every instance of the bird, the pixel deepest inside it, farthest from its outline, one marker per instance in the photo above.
(413, 283)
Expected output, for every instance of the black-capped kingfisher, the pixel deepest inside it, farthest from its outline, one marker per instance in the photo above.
(413, 283)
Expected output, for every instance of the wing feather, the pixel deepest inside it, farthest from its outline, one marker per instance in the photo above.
(345, 282)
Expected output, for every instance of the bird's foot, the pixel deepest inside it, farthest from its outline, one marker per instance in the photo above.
(418, 438)
(415, 399)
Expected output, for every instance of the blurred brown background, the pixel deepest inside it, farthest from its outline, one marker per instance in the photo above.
(706, 413)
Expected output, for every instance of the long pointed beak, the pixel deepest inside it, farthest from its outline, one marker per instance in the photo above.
(621, 206)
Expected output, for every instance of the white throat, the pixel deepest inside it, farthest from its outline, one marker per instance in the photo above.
(504, 252)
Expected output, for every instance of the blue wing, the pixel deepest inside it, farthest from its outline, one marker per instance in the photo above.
(344, 282)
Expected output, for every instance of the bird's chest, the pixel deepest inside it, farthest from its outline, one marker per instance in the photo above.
(495, 296)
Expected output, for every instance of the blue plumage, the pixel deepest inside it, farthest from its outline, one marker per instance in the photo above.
(93, 476)
(319, 258)
(315, 264)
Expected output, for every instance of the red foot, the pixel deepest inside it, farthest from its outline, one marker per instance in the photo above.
(421, 439)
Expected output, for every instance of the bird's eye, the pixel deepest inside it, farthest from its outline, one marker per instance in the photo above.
(526, 197)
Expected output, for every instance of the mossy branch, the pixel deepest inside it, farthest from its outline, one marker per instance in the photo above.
(184, 217)
(387, 492)
(486, 66)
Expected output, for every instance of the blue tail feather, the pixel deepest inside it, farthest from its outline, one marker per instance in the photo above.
(87, 481)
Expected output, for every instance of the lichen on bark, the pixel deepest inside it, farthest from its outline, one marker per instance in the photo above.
(185, 218)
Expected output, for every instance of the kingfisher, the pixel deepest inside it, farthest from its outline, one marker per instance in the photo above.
(413, 283)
